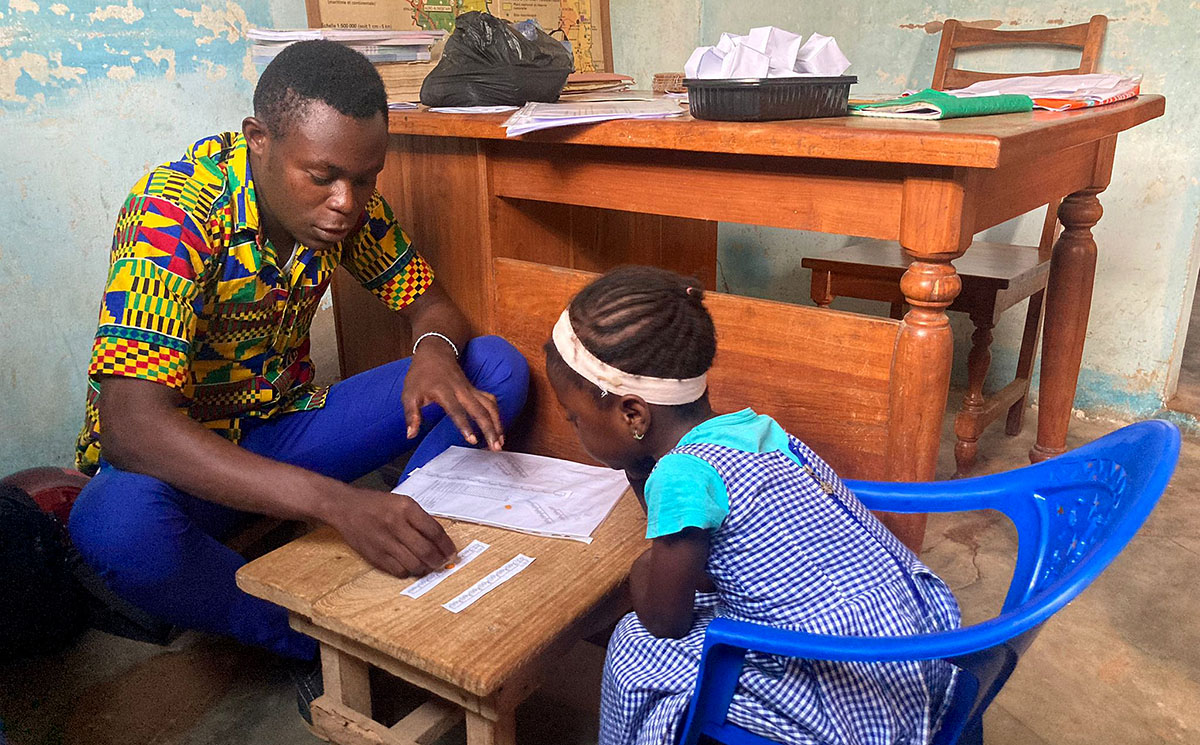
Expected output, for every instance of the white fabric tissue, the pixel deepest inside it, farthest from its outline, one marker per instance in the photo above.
(767, 52)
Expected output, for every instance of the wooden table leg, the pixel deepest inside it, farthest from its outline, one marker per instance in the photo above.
(970, 421)
(484, 731)
(1068, 303)
(346, 679)
(925, 350)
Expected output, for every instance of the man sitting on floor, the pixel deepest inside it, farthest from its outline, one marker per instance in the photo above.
(201, 410)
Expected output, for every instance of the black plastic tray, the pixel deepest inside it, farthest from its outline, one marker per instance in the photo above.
(766, 99)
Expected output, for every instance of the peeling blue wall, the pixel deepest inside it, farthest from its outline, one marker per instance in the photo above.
(91, 96)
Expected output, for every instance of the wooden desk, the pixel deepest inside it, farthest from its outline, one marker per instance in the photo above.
(481, 662)
(652, 191)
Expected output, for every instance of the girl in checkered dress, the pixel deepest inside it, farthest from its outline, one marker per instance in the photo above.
(746, 523)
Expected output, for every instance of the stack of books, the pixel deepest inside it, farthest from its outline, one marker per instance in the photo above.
(596, 82)
(402, 80)
(381, 47)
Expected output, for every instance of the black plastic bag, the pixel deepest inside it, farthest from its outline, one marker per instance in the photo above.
(42, 606)
(48, 594)
(488, 62)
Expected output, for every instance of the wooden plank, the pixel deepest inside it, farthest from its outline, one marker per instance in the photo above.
(936, 213)
(296, 575)
(439, 190)
(1015, 189)
(603, 239)
(368, 334)
(782, 192)
(344, 726)
(844, 361)
(346, 679)
(978, 142)
(429, 721)
(597, 240)
(515, 623)
(484, 731)
(408, 673)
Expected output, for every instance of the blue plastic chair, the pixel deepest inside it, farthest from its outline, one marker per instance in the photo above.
(1073, 515)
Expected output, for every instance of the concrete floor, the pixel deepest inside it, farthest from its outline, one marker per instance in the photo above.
(1119, 666)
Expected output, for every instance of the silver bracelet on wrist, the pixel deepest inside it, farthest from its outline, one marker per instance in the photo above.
(443, 337)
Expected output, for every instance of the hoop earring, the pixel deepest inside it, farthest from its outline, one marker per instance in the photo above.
(638, 435)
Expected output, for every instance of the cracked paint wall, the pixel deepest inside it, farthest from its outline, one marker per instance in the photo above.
(1147, 237)
(92, 95)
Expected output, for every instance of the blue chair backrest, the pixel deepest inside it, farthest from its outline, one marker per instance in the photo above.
(1073, 515)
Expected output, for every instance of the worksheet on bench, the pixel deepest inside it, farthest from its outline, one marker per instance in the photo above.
(528, 493)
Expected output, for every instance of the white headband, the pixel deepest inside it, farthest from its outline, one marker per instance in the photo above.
(663, 391)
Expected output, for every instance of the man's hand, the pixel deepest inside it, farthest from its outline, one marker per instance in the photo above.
(392, 532)
(436, 378)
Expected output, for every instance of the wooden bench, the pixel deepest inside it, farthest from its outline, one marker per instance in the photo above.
(825, 375)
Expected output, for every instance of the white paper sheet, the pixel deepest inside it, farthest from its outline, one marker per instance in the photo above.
(820, 55)
(1095, 87)
(534, 116)
(767, 52)
(526, 493)
(430, 581)
(472, 109)
(489, 583)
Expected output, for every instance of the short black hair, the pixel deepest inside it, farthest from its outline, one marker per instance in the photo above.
(317, 70)
(644, 321)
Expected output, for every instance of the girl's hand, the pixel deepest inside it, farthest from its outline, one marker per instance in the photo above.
(664, 580)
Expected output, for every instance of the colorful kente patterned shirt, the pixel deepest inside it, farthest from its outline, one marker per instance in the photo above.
(196, 301)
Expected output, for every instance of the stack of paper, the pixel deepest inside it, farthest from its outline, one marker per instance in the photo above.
(767, 52)
(1059, 92)
(534, 116)
(377, 46)
(595, 82)
(402, 80)
(527, 493)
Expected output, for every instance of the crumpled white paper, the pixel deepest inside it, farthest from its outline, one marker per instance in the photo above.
(767, 52)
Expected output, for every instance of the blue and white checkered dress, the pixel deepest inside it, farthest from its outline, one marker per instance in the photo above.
(797, 550)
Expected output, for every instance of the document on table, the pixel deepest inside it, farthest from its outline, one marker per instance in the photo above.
(534, 116)
(472, 109)
(488, 583)
(430, 581)
(522, 492)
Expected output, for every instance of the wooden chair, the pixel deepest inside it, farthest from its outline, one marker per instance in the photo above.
(994, 276)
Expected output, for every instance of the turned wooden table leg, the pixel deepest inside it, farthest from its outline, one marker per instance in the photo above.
(967, 425)
(921, 379)
(1068, 303)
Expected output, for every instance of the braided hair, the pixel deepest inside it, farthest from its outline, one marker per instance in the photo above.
(644, 321)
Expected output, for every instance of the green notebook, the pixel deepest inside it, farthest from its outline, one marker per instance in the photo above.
(931, 104)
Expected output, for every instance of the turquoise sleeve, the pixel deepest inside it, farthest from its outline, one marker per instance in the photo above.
(684, 491)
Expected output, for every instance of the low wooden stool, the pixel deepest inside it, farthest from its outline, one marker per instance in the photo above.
(479, 663)
(995, 277)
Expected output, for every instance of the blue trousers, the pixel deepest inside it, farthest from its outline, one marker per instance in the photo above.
(161, 549)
